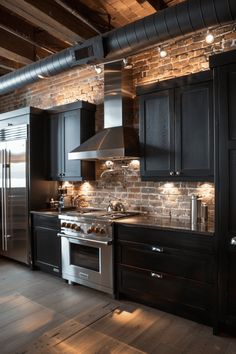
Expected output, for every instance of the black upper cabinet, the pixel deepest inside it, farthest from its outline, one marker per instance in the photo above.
(176, 129)
(70, 125)
(225, 108)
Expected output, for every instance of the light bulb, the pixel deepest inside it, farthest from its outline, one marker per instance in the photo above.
(162, 52)
(98, 69)
(209, 38)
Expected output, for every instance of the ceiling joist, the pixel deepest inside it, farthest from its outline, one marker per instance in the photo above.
(51, 17)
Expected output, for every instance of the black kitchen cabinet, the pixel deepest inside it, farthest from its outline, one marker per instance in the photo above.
(172, 270)
(46, 243)
(176, 129)
(70, 125)
(225, 108)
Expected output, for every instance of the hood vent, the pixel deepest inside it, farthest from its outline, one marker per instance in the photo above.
(118, 140)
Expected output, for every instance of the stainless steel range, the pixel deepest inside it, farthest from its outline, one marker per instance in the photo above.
(86, 242)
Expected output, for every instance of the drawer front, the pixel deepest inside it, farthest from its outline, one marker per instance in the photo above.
(46, 221)
(164, 291)
(165, 238)
(196, 266)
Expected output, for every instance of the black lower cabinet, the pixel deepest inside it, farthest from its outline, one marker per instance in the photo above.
(46, 243)
(154, 270)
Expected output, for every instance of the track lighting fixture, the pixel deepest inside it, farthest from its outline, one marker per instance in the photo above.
(98, 69)
(162, 52)
(209, 37)
(127, 64)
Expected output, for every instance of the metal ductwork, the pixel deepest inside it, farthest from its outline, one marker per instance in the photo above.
(178, 20)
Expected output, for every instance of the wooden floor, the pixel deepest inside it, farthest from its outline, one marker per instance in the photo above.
(42, 314)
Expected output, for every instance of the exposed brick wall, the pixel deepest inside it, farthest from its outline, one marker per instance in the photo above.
(188, 55)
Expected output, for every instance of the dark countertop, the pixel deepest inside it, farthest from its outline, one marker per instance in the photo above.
(167, 223)
(147, 221)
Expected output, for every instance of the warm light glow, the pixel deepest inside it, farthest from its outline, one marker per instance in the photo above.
(86, 187)
(170, 188)
(206, 191)
(209, 38)
(135, 164)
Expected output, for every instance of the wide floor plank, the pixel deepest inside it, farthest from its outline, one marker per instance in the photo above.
(41, 314)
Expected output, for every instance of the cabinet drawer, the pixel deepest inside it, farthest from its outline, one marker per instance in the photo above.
(196, 266)
(169, 293)
(46, 221)
(165, 238)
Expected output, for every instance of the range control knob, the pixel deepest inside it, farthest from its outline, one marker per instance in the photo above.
(73, 226)
(68, 225)
(97, 229)
(89, 230)
(77, 228)
(63, 224)
(102, 230)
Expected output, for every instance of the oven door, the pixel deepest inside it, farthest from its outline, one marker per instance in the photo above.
(87, 262)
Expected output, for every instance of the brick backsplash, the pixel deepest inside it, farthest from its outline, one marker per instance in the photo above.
(157, 198)
(185, 55)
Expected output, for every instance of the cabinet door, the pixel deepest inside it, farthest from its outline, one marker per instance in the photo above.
(72, 138)
(56, 146)
(194, 131)
(157, 134)
(226, 191)
(47, 245)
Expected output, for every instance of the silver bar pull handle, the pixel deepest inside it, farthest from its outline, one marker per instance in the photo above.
(156, 275)
(233, 241)
(157, 249)
(2, 201)
(5, 192)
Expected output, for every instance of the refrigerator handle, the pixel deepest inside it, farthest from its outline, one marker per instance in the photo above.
(3, 198)
(7, 185)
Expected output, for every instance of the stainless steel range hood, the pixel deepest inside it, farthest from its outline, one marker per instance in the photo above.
(118, 140)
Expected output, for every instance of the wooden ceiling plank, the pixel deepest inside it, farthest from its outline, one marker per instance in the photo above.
(51, 17)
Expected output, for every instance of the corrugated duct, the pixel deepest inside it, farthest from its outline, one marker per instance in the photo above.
(172, 22)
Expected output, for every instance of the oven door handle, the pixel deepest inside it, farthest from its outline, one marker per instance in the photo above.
(84, 240)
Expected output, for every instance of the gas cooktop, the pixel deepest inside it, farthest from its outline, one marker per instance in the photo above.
(92, 213)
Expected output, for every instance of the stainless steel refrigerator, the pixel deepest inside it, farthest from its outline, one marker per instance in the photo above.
(14, 207)
(24, 183)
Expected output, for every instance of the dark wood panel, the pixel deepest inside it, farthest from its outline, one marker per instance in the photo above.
(189, 265)
(194, 125)
(232, 105)
(156, 133)
(165, 238)
(167, 292)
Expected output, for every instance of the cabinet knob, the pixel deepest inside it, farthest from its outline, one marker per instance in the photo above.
(156, 275)
(177, 173)
(157, 249)
(233, 241)
(172, 173)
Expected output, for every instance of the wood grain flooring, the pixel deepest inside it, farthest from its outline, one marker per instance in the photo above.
(41, 314)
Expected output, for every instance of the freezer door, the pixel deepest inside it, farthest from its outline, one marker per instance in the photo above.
(16, 201)
(2, 197)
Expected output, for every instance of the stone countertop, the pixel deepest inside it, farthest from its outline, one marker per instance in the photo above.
(167, 223)
(148, 221)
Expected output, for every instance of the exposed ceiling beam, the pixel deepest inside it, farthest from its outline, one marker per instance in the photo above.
(9, 65)
(24, 30)
(15, 48)
(51, 17)
(156, 4)
(98, 19)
